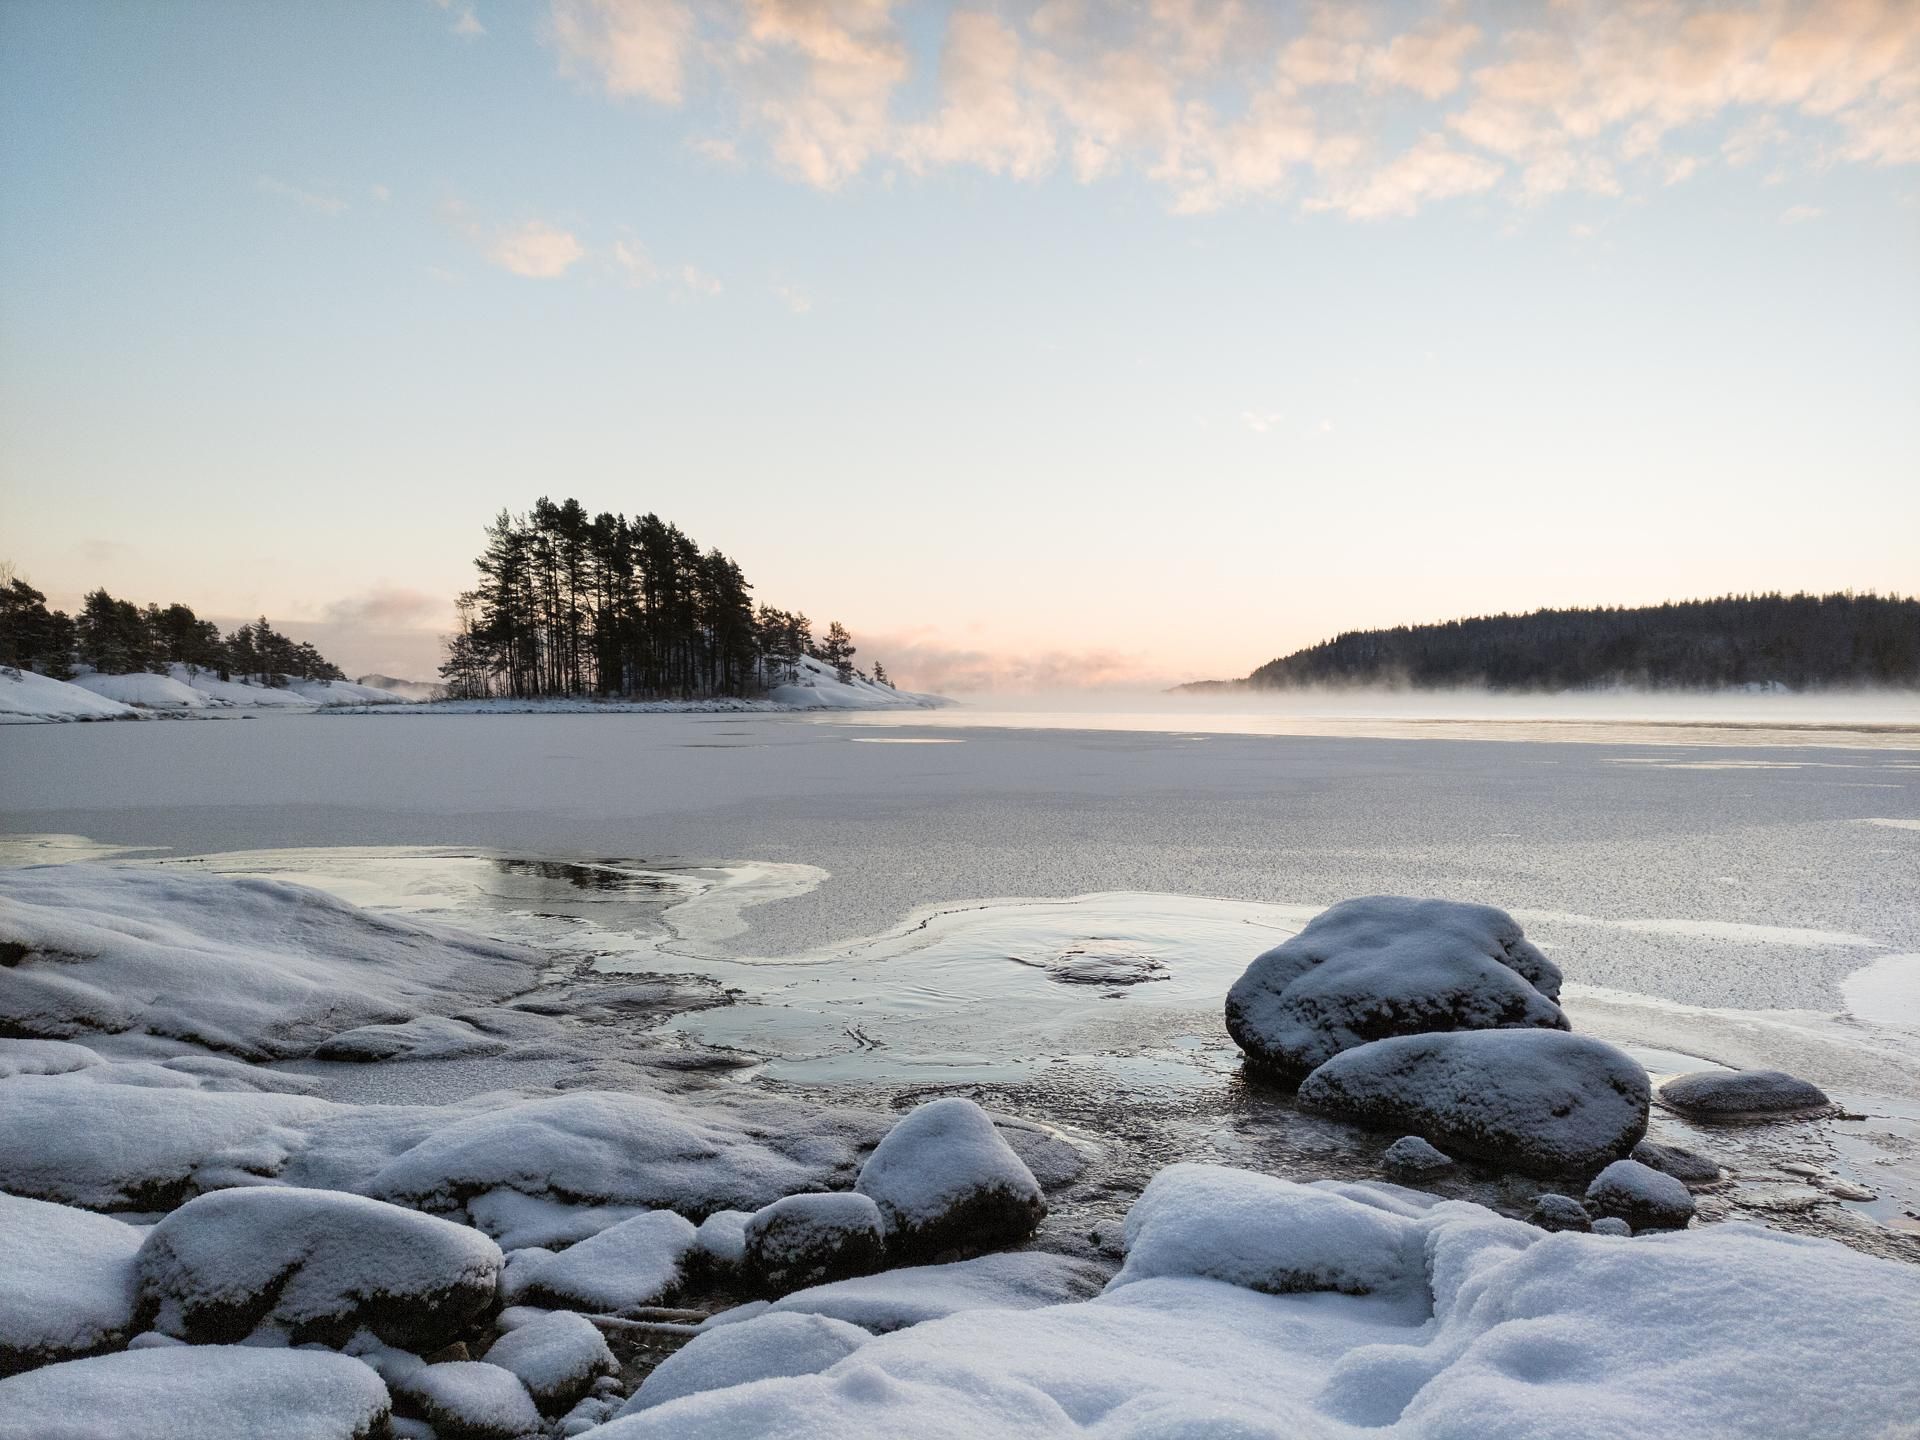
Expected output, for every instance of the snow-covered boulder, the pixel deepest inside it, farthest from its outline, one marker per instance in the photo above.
(1541, 1101)
(1558, 1213)
(1742, 1094)
(255, 968)
(1389, 965)
(810, 1239)
(1267, 1234)
(945, 1179)
(915, 1294)
(468, 1400)
(517, 1221)
(763, 1348)
(206, 1392)
(557, 1356)
(316, 1265)
(66, 1282)
(638, 1262)
(151, 692)
(27, 698)
(722, 1238)
(43, 1057)
(1612, 1225)
(1640, 1195)
(1410, 1158)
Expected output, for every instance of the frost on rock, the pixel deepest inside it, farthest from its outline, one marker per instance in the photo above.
(1742, 1094)
(1730, 1330)
(763, 1348)
(557, 1356)
(945, 1179)
(469, 1400)
(66, 1283)
(1268, 1234)
(316, 1265)
(809, 1239)
(895, 1299)
(638, 1262)
(1389, 965)
(206, 1392)
(1612, 1225)
(1540, 1101)
(1559, 1213)
(1640, 1195)
(1411, 1158)
(256, 968)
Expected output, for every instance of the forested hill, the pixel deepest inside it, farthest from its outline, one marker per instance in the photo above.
(1799, 641)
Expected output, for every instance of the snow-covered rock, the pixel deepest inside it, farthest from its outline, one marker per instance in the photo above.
(766, 1347)
(810, 1239)
(469, 1400)
(1411, 1158)
(638, 1262)
(1644, 1197)
(557, 1356)
(196, 1392)
(1612, 1225)
(151, 692)
(1540, 1101)
(27, 698)
(816, 685)
(915, 1294)
(316, 1265)
(722, 1238)
(1268, 1234)
(1741, 1094)
(1674, 1160)
(944, 1178)
(253, 967)
(1559, 1213)
(1389, 965)
(1730, 1330)
(66, 1282)
(517, 1221)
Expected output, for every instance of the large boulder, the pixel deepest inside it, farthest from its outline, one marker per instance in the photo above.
(810, 1239)
(945, 1179)
(1742, 1094)
(315, 1264)
(1539, 1101)
(66, 1283)
(758, 1349)
(1388, 965)
(557, 1356)
(1640, 1195)
(207, 1392)
(636, 1263)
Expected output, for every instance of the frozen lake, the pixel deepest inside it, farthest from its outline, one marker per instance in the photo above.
(1051, 906)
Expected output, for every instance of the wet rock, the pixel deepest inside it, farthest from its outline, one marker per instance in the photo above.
(811, 1239)
(469, 1400)
(945, 1179)
(1683, 1165)
(1559, 1212)
(1388, 965)
(316, 1264)
(1742, 1094)
(1612, 1225)
(1540, 1101)
(1411, 1158)
(1645, 1198)
(557, 1357)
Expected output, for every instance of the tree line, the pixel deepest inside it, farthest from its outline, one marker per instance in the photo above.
(1798, 641)
(572, 604)
(118, 637)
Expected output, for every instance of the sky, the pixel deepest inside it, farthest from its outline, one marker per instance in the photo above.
(1043, 345)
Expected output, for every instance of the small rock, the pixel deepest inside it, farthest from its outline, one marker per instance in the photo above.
(945, 1179)
(722, 1238)
(1647, 1199)
(1411, 1158)
(638, 1262)
(470, 1400)
(1742, 1094)
(1612, 1225)
(810, 1239)
(557, 1357)
(1683, 1165)
(757, 1349)
(1560, 1212)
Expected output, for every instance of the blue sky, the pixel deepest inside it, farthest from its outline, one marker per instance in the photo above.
(1039, 344)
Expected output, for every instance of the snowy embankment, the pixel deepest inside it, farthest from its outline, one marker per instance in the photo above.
(180, 1206)
(183, 690)
(815, 687)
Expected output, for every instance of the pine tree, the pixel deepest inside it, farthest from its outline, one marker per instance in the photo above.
(837, 650)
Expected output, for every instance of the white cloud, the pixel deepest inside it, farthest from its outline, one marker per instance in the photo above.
(630, 47)
(794, 298)
(1430, 170)
(1261, 421)
(696, 281)
(319, 202)
(536, 250)
(634, 265)
(468, 26)
(1800, 214)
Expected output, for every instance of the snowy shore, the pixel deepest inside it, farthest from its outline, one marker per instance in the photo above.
(202, 1229)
